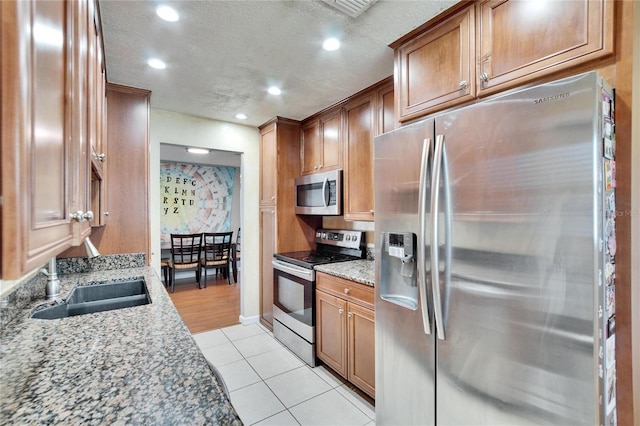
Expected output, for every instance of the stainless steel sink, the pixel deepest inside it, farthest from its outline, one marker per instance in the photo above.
(98, 298)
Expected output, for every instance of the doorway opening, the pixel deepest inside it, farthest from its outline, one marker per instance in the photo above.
(202, 193)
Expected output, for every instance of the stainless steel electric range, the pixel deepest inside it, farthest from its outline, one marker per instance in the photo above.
(294, 284)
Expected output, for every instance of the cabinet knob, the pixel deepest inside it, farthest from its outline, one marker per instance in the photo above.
(106, 213)
(78, 216)
(88, 216)
(315, 167)
(346, 291)
(273, 198)
(371, 211)
(484, 77)
(350, 314)
(319, 166)
(463, 84)
(340, 311)
(102, 157)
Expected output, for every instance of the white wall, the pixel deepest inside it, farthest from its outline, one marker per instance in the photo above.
(179, 129)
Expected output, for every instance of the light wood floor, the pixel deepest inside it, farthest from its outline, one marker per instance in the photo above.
(209, 308)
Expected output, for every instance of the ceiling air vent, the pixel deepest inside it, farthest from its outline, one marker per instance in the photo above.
(353, 8)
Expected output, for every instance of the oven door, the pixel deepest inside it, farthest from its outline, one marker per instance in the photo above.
(293, 298)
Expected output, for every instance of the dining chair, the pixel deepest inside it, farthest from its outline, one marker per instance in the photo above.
(185, 255)
(236, 256)
(217, 253)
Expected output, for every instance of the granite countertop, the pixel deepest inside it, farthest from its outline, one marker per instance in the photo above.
(135, 365)
(361, 271)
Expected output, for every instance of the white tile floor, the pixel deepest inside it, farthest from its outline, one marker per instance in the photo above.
(271, 386)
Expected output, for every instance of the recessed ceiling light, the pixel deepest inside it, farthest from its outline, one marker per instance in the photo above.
(167, 13)
(331, 44)
(274, 90)
(198, 150)
(157, 64)
(241, 116)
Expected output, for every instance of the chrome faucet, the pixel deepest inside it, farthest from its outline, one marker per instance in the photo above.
(53, 283)
(92, 251)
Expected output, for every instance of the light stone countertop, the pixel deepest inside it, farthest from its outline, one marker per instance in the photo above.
(135, 365)
(362, 271)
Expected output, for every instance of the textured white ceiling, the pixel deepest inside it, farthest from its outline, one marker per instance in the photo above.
(222, 55)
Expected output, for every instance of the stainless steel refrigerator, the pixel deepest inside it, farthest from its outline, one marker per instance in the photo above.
(495, 262)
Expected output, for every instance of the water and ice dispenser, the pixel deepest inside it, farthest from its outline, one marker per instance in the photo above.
(398, 268)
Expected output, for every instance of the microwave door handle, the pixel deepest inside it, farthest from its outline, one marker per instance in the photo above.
(324, 192)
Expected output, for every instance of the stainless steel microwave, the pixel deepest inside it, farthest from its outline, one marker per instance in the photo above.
(319, 193)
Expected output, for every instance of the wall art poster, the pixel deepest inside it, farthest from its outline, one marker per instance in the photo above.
(194, 199)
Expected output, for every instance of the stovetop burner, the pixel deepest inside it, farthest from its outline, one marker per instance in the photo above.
(308, 259)
(314, 258)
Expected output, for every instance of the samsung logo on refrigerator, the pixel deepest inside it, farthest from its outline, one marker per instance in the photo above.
(551, 98)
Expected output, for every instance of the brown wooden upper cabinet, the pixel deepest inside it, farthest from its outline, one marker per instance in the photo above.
(519, 41)
(480, 48)
(436, 68)
(96, 93)
(268, 164)
(358, 148)
(321, 146)
(386, 115)
(45, 139)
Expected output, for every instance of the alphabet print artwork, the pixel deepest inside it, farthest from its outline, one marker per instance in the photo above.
(194, 198)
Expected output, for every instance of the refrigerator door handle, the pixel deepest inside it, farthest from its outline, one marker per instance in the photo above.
(435, 210)
(422, 277)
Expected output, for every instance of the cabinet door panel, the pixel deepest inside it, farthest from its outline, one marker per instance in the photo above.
(268, 159)
(358, 176)
(49, 228)
(49, 136)
(386, 114)
(268, 248)
(436, 69)
(82, 104)
(524, 39)
(331, 331)
(310, 146)
(331, 142)
(362, 369)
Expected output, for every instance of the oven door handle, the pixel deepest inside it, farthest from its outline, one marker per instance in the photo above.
(304, 273)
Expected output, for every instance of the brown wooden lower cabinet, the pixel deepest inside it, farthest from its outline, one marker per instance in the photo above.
(345, 329)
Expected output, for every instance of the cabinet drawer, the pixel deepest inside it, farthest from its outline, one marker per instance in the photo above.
(352, 291)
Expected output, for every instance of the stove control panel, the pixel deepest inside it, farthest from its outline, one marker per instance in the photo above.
(340, 238)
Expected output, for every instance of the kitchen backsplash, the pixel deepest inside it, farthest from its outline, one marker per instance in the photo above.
(78, 265)
(33, 288)
(370, 250)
